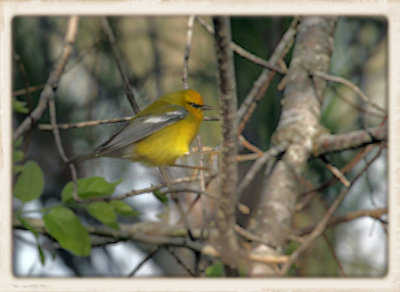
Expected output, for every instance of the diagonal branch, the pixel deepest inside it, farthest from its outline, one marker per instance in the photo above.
(53, 80)
(323, 223)
(118, 60)
(261, 84)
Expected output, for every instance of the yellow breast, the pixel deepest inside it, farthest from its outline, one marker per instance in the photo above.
(166, 145)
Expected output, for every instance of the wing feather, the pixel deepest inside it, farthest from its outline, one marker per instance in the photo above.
(141, 127)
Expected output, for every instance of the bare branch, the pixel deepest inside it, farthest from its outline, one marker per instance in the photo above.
(118, 60)
(60, 148)
(261, 84)
(298, 126)
(68, 126)
(148, 257)
(252, 172)
(157, 187)
(332, 249)
(243, 52)
(373, 213)
(30, 89)
(323, 223)
(336, 172)
(356, 139)
(53, 80)
(227, 241)
(352, 86)
(189, 34)
(180, 262)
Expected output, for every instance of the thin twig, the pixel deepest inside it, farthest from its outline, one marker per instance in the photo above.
(250, 236)
(245, 143)
(243, 52)
(352, 86)
(374, 213)
(66, 126)
(56, 133)
(180, 262)
(262, 83)
(118, 60)
(148, 257)
(157, 187)
(53, 80)
(357, 106)
(321, 226)
(251, 173)
(189, 34)
(28, 90)
(175, 199)
(60, 148)
(336, 172)
(202, 184)
(310, 194)
(332, 249)
(194, 191)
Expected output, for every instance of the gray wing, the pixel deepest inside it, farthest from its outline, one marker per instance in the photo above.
(142, 127)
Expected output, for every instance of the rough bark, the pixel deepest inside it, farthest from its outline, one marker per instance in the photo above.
(226, 242)
(298, 126)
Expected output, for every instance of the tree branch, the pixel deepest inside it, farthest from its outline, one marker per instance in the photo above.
(339, 142)
(227, 241)
(53, 80)
(323, 223)
(117, 56)
(189, 34)
(298, 126)
(261, 84)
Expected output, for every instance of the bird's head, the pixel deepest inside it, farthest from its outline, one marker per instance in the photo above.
(194, 103)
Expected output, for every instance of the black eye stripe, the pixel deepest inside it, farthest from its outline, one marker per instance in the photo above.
(195, 105)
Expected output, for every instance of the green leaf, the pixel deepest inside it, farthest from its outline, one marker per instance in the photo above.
(215, 270)
(30, 183)
(103, 212)
(28, 226)
(162, 198)
(18, 155)
(123, 208)
(41, 254)
(18, 168)
(20, 106)
(65, 227)
(90, 187)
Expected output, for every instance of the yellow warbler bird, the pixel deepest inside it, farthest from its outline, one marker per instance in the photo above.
(160, 133)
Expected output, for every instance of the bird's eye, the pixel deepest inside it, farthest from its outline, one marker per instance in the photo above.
(195, 105)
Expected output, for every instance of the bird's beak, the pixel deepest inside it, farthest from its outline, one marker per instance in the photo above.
(206, 107)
